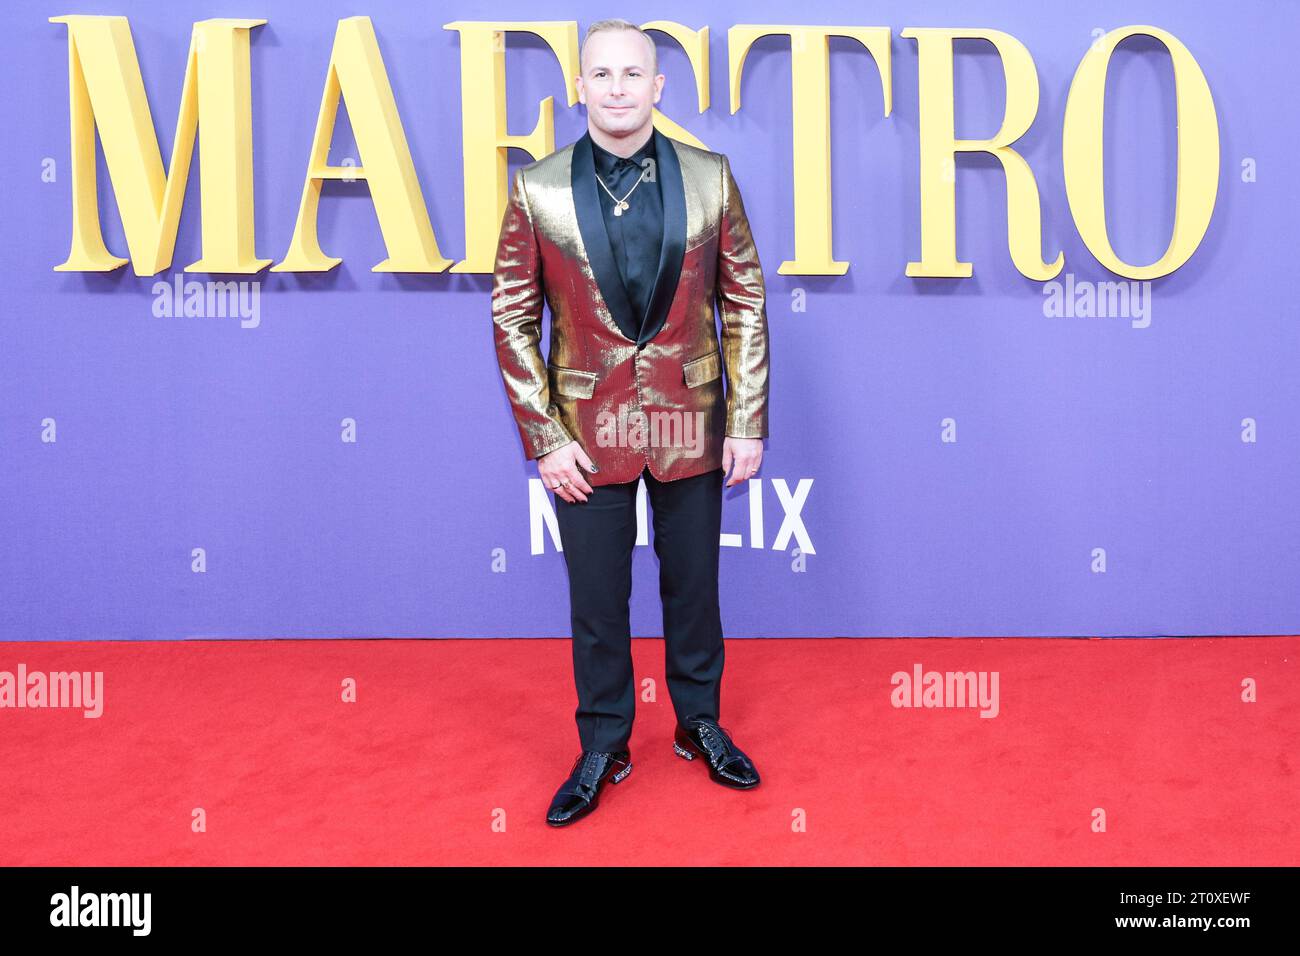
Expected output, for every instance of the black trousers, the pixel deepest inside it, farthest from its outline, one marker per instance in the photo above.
(598, 537)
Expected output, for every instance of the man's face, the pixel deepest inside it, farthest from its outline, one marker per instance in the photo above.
(616, 83)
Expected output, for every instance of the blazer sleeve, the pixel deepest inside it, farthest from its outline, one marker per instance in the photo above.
(742, 305)
(517, 300)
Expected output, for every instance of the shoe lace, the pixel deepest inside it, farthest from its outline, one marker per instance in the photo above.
(717, 732)
(591, 766)
(724, 753)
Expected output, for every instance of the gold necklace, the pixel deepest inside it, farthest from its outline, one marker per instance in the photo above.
(621, 204)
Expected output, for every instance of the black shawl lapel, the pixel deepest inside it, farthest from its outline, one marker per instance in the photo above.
(595, 238)
(673, 247)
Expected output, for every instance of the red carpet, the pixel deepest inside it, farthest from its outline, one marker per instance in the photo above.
(447, 736)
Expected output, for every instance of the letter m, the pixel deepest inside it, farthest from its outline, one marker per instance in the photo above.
(106, 92)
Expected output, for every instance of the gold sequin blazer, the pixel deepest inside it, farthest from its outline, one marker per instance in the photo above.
(631, 390)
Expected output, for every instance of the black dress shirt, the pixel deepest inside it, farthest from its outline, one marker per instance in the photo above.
(635, 237)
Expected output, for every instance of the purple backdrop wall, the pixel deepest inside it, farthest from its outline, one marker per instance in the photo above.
(1073, 433)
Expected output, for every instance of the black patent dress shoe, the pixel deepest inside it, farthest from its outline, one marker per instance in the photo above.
(728, 764)
(579, 794)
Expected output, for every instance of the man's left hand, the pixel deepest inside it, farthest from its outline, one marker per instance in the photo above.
(746, 453)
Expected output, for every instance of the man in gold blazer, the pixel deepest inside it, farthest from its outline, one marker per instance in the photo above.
(631, 238)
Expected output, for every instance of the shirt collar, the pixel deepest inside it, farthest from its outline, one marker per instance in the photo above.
(607, 162)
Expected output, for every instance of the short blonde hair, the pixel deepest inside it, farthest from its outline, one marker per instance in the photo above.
(618, 23)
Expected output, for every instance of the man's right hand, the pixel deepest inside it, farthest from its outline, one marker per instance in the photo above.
(560, 473)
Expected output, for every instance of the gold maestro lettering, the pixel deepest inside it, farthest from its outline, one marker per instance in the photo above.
(106, 94)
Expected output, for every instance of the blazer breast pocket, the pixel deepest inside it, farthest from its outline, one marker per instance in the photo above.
(699, 371)
(572, 382)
